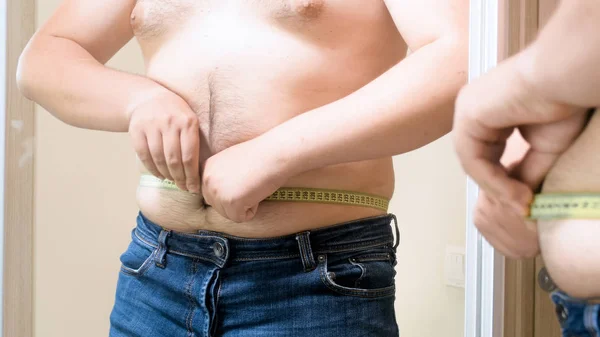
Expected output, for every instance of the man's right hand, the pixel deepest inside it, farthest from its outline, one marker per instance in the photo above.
(166, 138)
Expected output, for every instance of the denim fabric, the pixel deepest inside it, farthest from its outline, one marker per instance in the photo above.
(577, 318)
(334, 281)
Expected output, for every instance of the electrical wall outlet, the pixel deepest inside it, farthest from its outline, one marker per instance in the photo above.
(454, 265)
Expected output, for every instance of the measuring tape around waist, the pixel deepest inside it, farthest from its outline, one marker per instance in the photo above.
(297, 194)
(565, 206)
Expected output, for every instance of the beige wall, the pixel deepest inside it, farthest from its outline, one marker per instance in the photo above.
(85, 209)
(430, 203)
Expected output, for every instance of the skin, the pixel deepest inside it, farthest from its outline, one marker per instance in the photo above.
(243, 97)
(542, 97)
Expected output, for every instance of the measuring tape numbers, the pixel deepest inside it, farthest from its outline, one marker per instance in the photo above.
(565, 206)
(297, 194)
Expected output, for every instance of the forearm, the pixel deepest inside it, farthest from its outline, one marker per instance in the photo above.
(66, 80)
(405, 108)
(563, 62)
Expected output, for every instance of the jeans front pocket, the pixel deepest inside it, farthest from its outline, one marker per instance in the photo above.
(138, 257)
(368, 273)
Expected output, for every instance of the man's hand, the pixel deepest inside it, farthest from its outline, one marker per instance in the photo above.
(237, 179)
(487, 113)
(506, 230)
(166, 137)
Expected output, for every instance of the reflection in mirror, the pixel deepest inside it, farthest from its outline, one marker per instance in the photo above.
(281, 147)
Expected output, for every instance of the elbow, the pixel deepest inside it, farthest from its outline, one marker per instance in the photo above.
(455, 50)
(25, 74)
(31, 72)
(456, 63)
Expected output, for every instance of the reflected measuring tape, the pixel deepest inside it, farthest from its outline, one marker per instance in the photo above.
(565, 206)
(297, 194)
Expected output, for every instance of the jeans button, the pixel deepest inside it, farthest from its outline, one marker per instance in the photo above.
(562, 313)
(218, 249)
(545, 281)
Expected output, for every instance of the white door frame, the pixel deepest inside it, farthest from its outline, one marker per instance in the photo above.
(17, 24)
(3, 105)
(484, 279)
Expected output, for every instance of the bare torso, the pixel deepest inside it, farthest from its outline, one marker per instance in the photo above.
(246, 66)
(570, 247)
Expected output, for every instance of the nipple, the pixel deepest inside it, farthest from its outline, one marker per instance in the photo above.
(134, 19)
(308, 8)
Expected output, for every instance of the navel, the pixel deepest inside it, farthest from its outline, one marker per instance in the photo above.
(308, 8)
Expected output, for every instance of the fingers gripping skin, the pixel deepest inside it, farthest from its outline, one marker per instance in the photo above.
(238, 178)
(166, 137)
(488, 111)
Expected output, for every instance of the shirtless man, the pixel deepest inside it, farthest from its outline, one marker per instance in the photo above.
(549, 92)
(240, 99)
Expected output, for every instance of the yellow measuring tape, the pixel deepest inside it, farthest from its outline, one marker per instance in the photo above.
(297, 194)
(565, 206)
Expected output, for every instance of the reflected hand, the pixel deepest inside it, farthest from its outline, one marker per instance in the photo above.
(487, 112)
(237, 179)
(506, 230)
(166, 138)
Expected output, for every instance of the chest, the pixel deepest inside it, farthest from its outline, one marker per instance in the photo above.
(154, 18)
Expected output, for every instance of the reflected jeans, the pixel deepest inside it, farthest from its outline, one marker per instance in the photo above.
(577, 317)
(333, 281)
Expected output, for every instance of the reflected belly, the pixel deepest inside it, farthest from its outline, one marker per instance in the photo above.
(570, 247)
(572, 256)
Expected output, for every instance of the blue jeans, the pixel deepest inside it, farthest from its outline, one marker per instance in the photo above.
(334, 281)
(577, 318)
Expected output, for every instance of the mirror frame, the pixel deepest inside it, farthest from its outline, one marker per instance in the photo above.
(484, 278)
(3, 105)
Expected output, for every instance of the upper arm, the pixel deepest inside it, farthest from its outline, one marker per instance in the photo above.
(423, 21)
(101, 27)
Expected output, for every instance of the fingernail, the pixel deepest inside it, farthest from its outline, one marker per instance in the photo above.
(193, 188)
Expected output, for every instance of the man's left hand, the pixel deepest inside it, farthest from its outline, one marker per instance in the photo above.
(237, 179)
(487, 112)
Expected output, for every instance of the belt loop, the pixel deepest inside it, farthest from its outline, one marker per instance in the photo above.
(306, 253)
(397, 243)
(161, 254)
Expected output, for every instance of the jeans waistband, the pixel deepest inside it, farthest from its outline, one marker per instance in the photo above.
(220, 248)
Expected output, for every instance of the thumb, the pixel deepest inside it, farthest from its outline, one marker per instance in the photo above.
(251, 213)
